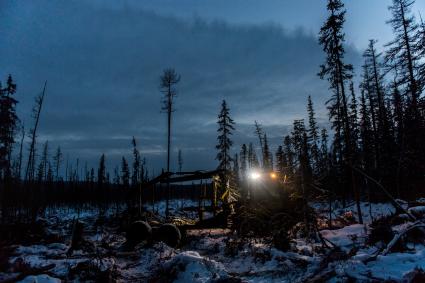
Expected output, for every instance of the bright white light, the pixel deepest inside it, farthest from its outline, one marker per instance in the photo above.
(254, 176)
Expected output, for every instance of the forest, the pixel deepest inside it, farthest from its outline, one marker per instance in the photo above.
(337, 202)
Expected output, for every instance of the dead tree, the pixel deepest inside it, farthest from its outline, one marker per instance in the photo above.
(29, 174)
(21, 146)
(167, 84)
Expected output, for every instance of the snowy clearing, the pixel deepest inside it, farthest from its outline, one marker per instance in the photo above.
(212, 255)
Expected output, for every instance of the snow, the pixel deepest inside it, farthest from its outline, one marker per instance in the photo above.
(195, 268)
(417, 210)
(394, 266)
(346, 237)
(43, 278)
(210, 255)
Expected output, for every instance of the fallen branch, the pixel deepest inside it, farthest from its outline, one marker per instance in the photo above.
(416, 225)
(324, 271)
(396, 205)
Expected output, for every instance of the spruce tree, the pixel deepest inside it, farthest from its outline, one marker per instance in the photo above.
(116, 179)
(125, 173)
(225, 130)
(401, 55)
(324, 154)
(243, 156)
(236, 169)
(288, 150)
(101, 173)
(8, 125)
(58, 157)
(252, 157)
(136, 164)
(267, 157)
(337, 72)
(403, 58)
(313, 135)
(281, 162)
(332, 38)
(353, 120)
(42, 167)
(366, 136)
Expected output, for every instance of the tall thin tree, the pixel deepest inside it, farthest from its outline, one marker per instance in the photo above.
(168, 81)
(29, 173)
(225, 130)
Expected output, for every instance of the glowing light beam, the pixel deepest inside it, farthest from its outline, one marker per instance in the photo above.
(254, 176)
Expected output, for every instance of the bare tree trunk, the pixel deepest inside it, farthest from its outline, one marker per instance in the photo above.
(20, 154)
(29, 174)
(168, 158)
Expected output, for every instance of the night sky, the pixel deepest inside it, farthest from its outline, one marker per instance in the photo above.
(102, 61)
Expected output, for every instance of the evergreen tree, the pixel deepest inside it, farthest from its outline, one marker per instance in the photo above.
(92, 177)
(398, 109)
(8, 125)
(49, 177)
(337, 72)
(377, 91)
(300, 144)
(243, 156)
(225, 128)
(267, 157)
(40, 172)
(353, 120)
(236, 169)
(420, 49)
(281, 162)
(403, 58)
(125, 173)
(366, 136)
(136, 163)
(101, 173)
(117, 178)
(369, 111)
(313, 135)
(401, 55)
(252, 157)
(324, 154)
(57, 159)
(288, 150)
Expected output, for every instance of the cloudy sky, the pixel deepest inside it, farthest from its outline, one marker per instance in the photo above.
(103, 58)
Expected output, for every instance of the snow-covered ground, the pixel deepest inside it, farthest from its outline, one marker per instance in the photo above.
(216, 255)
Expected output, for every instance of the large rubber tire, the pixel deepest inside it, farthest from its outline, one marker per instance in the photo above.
(138, 232)
(169, 234)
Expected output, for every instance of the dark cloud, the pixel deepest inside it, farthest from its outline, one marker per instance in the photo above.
(103, 67)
